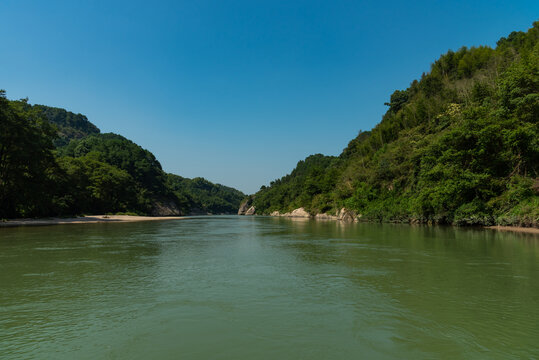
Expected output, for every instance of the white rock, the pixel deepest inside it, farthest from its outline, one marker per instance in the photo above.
(300, 213)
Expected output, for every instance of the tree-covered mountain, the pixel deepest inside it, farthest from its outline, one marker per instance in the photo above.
(54, 162)
(204, 196)
(69, 125)
(459, 145)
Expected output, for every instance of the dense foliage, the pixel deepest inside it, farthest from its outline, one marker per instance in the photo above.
(89, 172)
(204, 196)
(69, 125)
(461, 145)
(27, 164)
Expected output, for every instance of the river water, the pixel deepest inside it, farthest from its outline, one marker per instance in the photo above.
(267, 288)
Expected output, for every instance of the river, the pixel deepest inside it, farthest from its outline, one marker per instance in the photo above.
(230, 287)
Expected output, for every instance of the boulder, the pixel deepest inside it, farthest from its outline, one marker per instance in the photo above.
(275, 213)
(250, 211)
(300, 212)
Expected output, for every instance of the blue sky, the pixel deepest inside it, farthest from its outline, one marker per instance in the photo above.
(236, 91)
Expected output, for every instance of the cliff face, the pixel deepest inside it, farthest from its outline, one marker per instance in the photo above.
(165, 207)
(246, 207)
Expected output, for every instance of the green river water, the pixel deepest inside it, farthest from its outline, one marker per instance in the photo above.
(267, 288)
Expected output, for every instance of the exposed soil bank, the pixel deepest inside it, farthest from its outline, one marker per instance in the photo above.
(90, 219)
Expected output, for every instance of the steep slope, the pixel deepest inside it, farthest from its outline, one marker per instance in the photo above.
(461, 145)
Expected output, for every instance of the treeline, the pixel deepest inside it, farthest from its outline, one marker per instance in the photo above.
(54, 162)
(204, 196)
(460, 145)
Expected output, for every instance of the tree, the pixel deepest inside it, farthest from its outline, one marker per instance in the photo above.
(26, 160)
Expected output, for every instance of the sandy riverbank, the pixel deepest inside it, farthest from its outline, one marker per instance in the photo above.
(90, 219)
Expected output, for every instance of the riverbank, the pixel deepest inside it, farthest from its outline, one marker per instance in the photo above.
(94, 219)
(90, 219)
(346, 215)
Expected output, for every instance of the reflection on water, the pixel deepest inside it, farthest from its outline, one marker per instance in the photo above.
(448, 283)
(244, 287)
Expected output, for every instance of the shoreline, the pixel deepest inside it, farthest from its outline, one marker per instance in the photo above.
(515, 229)
(99, 219)
(88, 219)
(519, 229)
(346, 215)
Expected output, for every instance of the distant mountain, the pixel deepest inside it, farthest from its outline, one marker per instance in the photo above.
(204, 196)
(460, 145)
(55, 162)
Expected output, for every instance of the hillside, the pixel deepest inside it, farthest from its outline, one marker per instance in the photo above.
(460, 145)
(69, 125)
(204, 196)
(54, 162)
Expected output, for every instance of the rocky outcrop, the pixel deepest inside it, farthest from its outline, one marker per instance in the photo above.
(348, 215)
(297, 213)
(344, 214)
(325, 217)
(250, 211)
(165, 207)
(301, 212)
(245, 206)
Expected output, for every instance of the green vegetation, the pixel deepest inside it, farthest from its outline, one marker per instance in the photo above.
(461, 146)
(27, 165)
(69, 125)
(54, 162)
(204, 196)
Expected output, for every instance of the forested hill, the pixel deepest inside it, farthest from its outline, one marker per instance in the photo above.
(459, 145)
(204, 196)
(69, 125)
(54, 162)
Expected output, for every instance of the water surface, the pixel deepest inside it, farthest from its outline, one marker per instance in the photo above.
(267, 288)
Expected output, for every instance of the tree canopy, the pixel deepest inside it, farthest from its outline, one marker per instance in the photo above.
(54, 162)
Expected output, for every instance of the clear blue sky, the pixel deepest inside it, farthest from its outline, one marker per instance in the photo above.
(236, 91)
